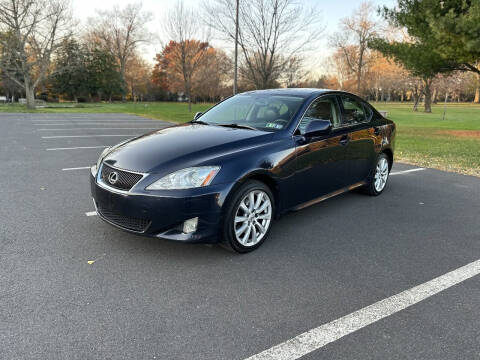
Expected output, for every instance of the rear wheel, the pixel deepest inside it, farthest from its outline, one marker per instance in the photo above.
(248, 217)
(378, 180)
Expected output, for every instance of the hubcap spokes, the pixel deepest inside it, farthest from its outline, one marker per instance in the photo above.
(253, 217)
(381, 174)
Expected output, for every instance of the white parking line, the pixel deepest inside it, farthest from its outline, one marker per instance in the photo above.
(77, 168)
(101, 128)
(91, 213)
(407, 171)
(317, 338)
(79, 147)
(84, 136)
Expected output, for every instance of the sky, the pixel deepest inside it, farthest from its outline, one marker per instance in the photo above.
(331, 12)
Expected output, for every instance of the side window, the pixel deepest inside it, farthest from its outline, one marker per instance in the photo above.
(353, 111)
(324, 108)
(368, 111)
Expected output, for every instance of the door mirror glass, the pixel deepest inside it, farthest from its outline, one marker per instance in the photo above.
(197, 115)
(318, 127)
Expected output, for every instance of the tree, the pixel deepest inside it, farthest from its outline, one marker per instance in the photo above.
(121, 31)
(178, 64)
(138, 77)
(159, 72)
(294, 72)
(477, 88)
(271, 33)
(384, 79)
(71, 78)
(31, 32)
(419, 59)
(210, 79)
(352, 41)
(452, 25)
(103, 74)
(184, 55)
(449, 30)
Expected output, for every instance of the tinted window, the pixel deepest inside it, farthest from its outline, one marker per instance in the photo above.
(368, 111)
(353, 111)
(264, 112)
(324, 108)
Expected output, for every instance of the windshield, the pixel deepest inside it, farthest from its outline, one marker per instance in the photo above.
(262, 112)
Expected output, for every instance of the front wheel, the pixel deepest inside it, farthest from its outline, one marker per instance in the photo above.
(378, 180)
(248, 217)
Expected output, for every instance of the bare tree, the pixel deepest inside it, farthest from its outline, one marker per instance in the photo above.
(352, 41)
(190, 46)
(121, 31)
(271, 33)
(294, 73)
(31, 32)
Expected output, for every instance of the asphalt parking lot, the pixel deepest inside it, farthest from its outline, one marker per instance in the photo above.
(73, 287)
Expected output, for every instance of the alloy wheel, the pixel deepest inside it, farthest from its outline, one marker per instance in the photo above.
(381, 174)
(253, 218)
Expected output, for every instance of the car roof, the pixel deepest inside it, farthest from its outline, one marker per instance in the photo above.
(303, 92)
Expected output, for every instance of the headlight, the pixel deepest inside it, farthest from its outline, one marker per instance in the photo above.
(102, 155)
(186, 178)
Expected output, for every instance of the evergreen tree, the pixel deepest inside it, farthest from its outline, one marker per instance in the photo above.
(70, 70)
(419, 56)
(103, 73)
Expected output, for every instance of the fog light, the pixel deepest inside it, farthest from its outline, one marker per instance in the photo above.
(94, 170)
(190, 225)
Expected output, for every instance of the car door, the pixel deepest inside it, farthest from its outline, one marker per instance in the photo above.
(320, 160)
(360, 152)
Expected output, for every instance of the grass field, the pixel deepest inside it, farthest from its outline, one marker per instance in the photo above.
(427, 140)
(423, 139)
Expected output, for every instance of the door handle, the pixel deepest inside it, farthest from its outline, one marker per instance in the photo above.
(344, 140)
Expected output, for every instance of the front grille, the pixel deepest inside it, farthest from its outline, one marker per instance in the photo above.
(125, 179)
(134, 224)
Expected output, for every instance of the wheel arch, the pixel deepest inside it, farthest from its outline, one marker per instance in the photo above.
(264, 177)
(389, 153)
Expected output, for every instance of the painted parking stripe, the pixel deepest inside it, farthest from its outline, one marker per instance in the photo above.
(317, 338)
(78, 147)
(407, 171)
(85, 136)
(101, 128)
(91, 213)
(77, 168)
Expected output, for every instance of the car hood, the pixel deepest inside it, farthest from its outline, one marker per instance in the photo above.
(182, 146)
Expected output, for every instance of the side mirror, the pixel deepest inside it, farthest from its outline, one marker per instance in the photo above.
(197, 115)
(318, 127)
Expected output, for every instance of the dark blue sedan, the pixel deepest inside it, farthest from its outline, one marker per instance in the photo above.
(226, 175)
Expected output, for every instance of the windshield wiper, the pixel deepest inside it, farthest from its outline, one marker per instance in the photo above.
(199, 122)
(238, 126)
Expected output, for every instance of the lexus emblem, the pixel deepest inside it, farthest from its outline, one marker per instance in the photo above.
(113, 177)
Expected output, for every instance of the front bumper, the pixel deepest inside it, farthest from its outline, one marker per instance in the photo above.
(160, 215)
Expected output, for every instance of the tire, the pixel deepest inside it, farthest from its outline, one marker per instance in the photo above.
(377, 181)
(254, 217)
